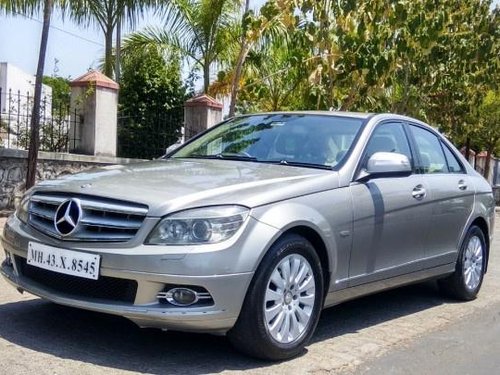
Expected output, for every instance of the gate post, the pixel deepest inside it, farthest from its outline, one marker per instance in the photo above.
(94, 106)
(201, 113)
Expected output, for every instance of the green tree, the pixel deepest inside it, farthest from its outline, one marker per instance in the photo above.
(275, 78)
(150, 104)
(489, 131)
(107, 14)
(203, 31)
(61, 93)
(270, 22)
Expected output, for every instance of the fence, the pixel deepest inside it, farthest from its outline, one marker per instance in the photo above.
(147, 135)
(57, 122)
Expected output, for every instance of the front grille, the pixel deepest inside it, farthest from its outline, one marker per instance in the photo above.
(102, 219)
(105, 288)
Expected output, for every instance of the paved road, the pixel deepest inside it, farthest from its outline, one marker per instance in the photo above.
(470, 346)
(43, 338)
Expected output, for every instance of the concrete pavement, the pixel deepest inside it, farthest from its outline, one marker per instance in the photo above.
(469, 346)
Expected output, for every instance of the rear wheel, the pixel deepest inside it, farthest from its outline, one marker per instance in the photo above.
(282, 306)
(466, 281)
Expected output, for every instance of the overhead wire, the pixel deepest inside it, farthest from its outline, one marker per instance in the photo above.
(60, 29)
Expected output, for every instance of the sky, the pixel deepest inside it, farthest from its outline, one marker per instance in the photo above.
(76, 48)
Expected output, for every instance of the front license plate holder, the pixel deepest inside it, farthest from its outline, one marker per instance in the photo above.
(69, 262)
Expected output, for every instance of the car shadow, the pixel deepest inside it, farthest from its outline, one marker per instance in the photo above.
(115, 342)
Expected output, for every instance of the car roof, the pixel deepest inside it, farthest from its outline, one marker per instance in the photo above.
(359, 115)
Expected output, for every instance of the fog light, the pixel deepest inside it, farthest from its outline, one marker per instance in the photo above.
(184, 296)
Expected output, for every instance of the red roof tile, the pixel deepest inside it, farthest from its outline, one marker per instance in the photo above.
(93, 77)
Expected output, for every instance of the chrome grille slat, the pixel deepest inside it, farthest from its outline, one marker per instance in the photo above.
(115, 208)
(48, 199)
(117, 224)
(42, 212)
(102, 219)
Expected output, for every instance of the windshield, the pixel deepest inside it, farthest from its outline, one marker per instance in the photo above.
(295, 139)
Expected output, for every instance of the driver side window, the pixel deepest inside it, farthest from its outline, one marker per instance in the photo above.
(387, 137)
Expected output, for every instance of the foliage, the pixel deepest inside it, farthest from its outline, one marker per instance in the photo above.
(106, 14)
(433, 60)
(489, 117)
(202, 31)
(61, 93)
(150, 103)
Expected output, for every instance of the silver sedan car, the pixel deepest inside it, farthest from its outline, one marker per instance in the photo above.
(253, 227)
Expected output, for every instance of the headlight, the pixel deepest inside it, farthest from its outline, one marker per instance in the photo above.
(22, 211)
(199, 226)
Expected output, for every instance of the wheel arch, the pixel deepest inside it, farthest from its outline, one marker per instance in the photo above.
(319, 246)
(483, 225)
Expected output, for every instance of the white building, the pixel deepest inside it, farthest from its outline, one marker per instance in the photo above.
(16, 102)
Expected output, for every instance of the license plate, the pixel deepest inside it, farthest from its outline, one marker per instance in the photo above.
(64, 261)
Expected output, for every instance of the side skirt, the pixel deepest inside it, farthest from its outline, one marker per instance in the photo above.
(338, 296)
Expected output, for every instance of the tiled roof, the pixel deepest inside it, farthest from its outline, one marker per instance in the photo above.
(205, 101)
(96, 78)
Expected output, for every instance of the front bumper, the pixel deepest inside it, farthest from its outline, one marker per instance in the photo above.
(227, 289)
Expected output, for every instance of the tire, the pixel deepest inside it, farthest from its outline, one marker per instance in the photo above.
(464, 284)
(287, 327)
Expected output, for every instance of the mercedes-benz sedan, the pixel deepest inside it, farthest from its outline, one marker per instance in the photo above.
(253, 227)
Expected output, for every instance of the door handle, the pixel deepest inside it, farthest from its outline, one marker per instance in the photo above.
(418, 192)
(462, 185)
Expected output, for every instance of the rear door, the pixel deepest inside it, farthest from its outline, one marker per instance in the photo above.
(450, 193)
(390, 215)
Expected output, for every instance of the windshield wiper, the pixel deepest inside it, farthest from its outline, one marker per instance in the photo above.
(223, 155)
(296, 164)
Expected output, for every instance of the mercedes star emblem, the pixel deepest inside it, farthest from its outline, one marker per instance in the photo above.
(67, 217)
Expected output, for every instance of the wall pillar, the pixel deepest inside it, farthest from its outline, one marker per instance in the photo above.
(201, 113)
(94, 111)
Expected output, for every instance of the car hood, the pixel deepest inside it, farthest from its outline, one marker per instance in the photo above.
(174, 184)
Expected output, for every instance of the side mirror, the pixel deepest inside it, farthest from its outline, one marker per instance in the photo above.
(386, 164)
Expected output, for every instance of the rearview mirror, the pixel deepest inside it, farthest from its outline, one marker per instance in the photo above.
(385, 164)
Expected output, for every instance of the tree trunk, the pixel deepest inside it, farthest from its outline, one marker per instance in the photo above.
(206, 77)
(244, 48)
(118, 47)
(467, 148)
(486, 172)
(108, 56)
(35, 115)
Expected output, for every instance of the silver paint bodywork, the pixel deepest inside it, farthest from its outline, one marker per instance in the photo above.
(376, 235)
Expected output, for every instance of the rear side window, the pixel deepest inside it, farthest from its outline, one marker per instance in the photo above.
(431, 158)
(454, 166)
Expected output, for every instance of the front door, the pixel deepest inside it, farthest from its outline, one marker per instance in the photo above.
(390, 215)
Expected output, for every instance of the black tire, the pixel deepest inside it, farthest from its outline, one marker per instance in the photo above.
(250, 335)
(455, 285)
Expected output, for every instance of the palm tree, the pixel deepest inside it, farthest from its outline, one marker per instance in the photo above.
(201, 30)
(270, 24)
(108, 16)
(29, 7)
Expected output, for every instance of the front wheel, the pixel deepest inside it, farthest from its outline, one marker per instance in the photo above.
(465, 282)
(282, 306)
